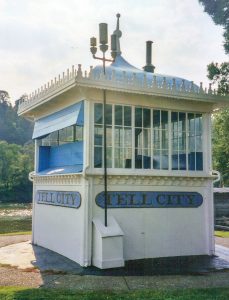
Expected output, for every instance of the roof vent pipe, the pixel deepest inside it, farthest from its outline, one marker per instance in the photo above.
(149, 67)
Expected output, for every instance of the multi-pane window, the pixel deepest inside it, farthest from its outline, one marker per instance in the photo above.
(143, 138)
(122, 137)
(118, 137)
(66, 135)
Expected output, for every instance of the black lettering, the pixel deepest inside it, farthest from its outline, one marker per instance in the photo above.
(159, 200)
(121, 200)
(190, 199)
(144, 198)
(131, 202)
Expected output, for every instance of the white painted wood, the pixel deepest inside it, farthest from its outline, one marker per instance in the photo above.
(107, 244)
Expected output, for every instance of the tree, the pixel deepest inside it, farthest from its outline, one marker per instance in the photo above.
(219, 74)
(4, 96)
(13, 129)
(221, 145)
(15, 164)
(219, 11)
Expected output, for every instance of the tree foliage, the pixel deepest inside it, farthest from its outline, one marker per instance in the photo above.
(219, 11)
(13, 129)
(16, 162)
(221, 145)
(219, 74)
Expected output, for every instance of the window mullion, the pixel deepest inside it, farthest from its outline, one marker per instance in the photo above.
(133, 139)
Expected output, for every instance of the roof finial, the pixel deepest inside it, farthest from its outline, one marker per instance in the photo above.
(118, 34)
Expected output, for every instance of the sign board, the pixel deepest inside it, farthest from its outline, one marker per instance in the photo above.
(59, 198)
(150, 199)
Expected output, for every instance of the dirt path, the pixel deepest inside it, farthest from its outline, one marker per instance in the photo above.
(222, 241)
(6, 240)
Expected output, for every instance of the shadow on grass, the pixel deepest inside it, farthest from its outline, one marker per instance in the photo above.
(60, 294)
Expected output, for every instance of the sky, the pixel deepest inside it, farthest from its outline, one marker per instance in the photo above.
(42, 38)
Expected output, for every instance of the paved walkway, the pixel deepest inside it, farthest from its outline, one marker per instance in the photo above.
(55, 271)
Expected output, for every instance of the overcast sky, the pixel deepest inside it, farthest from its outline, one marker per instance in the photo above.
(42, 38)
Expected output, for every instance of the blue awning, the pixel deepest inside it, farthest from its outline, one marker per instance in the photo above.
(71, 115)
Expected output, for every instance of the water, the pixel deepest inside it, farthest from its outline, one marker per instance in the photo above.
(15, 217)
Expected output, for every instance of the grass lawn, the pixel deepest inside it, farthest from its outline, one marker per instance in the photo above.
(224, 234)
(14, 293)
(15, 218)
(16, 233)
(12, 225)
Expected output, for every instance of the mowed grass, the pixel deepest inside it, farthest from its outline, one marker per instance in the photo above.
(224, 234)
(12, 225)
(14, 293)
(15, 219)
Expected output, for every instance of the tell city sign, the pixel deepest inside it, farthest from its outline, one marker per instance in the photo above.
(150, 199)
(59, 198)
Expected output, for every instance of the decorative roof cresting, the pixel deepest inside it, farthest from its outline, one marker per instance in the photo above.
(120, 76)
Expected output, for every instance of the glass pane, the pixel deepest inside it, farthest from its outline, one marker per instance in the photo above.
(127, 115)
(138, 158)
(127, 158)
(46, 141)
(53, 138)
(156, 119)
(146, 118)
(66, 135)
(199, 161)
(98, 135)
(182, 161)
(182, 125)
(138, 117)
(164, 160)
(138, 138)
(191, 144)
(191, 123)
(156, 160)
(98, 157)
(118, 115)
(164, 119)
(182, 141)
(146, 159)
(191, 161)
(174, 121)
(156, 136)
(78, 133)
(109, 136)
(109, 157)
(198, 143)
(118, 158)
(98, 113)
(146, 138)
(198, 124)
(164, 139)
(118, 136)
(174, 143)
(175, 160)
(127, 137)
(108, 114)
